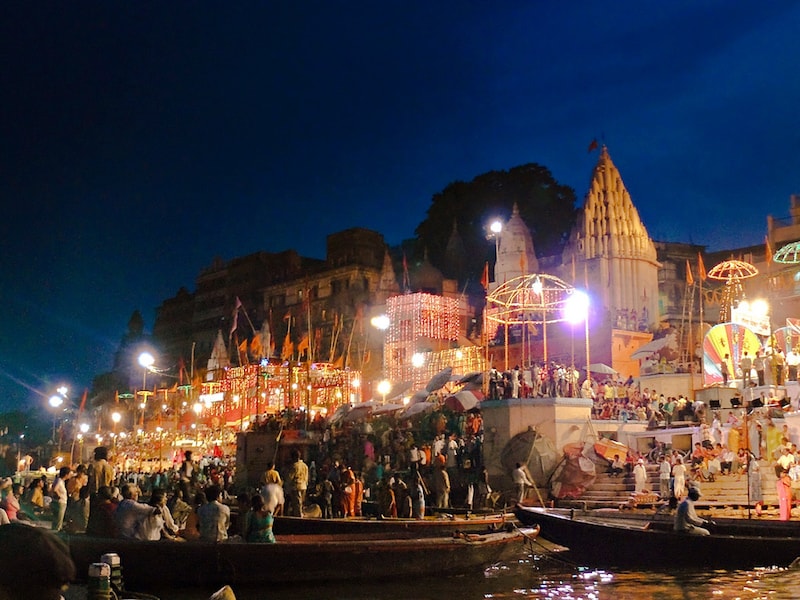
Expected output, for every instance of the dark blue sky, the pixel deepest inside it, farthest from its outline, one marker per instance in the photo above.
(139, 140)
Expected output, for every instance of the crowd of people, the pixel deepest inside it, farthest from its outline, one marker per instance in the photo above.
(387, 466)
(737, 448)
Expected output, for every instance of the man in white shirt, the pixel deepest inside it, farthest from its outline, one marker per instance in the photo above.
(60, 497)
(214, 517)
(135, 520)
(521, 481)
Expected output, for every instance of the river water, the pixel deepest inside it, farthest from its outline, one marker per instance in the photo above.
(539, 577)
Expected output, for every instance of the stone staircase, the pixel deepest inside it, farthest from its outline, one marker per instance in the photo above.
(726, 495)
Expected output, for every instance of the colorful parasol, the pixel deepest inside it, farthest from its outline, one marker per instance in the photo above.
(464, 400)
(729, 339)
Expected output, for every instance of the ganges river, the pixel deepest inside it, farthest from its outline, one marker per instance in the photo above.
(533, 576)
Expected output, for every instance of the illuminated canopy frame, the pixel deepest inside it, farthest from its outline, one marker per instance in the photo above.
(732, 272)
(788, 254)
(529, 299)
(536, 299)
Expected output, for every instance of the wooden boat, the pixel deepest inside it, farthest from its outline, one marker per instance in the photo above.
(302, 558)
(434, 526)
(620, 543)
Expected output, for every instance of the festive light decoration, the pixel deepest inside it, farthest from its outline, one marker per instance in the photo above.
(788, 254)
(732, 272)
(419, 324)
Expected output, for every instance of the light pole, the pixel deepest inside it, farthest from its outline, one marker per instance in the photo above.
(381, 323)
(84, 427)
(538, 289)
(115, 418)
(146, 361)
(495, 230)
(576, 310)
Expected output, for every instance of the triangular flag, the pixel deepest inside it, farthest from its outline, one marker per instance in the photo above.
(689, 277)
(701, 268)
(485, 276)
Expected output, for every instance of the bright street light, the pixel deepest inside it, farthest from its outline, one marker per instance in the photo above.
(384, 387)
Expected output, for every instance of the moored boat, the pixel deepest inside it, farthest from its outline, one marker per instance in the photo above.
(433, 526)
(300, 558)
(620, 543)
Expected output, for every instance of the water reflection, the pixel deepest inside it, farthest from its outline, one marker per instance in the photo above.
(537, 577)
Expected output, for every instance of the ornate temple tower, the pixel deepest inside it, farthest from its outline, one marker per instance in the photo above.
(612, 251)
(515, 253)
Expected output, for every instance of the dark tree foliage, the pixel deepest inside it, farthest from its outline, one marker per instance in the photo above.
(547, 207)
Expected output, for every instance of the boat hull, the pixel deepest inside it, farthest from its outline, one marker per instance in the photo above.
(297, 558)
(614, 544)
(410, 528)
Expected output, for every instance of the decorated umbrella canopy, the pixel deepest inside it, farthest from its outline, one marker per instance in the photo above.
(732, 272)
(464, 400)
(786, 338)
(440, 379)
(729, 340)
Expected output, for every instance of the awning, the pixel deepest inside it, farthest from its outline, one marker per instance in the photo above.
(650, 347)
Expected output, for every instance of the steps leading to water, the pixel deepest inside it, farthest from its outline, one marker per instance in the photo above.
(725, 493)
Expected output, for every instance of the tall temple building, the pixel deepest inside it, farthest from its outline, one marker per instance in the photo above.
(515, 251)
(613, 254)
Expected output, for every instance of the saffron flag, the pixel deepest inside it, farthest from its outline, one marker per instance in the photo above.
(255, 346)
(593, 145)
(235, 320)
(689, 277)
(85, 395)
(288, 348)
(768, 250)
(302, 345)
(701, 268)
(485, 276)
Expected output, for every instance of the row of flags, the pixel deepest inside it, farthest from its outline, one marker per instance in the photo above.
(701, 268)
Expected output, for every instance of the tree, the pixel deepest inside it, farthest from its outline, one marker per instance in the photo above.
(547, 207)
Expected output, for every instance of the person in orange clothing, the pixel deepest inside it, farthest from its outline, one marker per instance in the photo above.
(359, 495)
(784, 489)
(348, 483)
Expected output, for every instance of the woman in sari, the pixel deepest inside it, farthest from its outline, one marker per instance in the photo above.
(259, 522)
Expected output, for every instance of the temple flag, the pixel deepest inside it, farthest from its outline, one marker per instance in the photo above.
(302, 344)
(255, 346)
(288, 348)
(689, 277)
(769, 250)
(485, 276)
(235, 320)
(593, 145)
(701, 268)
(86, 394)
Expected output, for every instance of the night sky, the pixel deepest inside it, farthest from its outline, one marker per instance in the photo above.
(140, 140)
